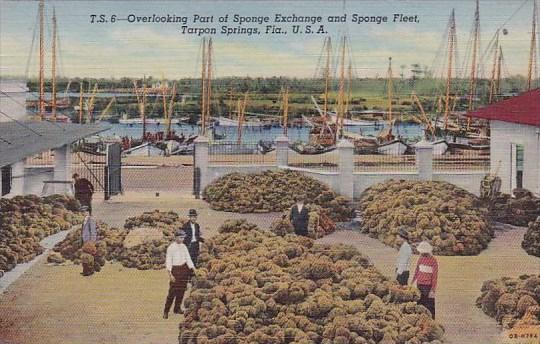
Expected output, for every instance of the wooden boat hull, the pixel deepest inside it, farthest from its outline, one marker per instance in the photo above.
(396, 147)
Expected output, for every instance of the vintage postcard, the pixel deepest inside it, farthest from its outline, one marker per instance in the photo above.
(270, 172)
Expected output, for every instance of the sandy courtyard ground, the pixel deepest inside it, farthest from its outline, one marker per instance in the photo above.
(54, 304)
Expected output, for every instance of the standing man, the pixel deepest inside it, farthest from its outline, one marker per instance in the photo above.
(179, 267)
(404, 257)
(83, 191)
(300, 216)
(193, 235)
(426, 273)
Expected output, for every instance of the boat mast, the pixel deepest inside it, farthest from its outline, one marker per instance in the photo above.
(41, 62)
(532, 53)
(492, 89)
(143, 108)
(341, 94)
(285, 111)
(390, 95)
(476, 44)
(81, 101)
(54, 66)
(170, 112)
(499, 69)
(327, 75)
(451, 41)
(349, 81)
(208, 87)
(203, 80)
(241, 116)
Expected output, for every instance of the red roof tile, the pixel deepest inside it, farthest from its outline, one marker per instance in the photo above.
(522, 109)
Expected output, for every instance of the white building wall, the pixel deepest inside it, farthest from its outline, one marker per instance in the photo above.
(13, 99)
(503, 135)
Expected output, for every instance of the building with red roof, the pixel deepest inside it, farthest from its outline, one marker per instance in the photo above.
(515, 140)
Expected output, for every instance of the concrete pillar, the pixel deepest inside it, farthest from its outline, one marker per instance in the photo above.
(17, 178)
(201, 161)
(424, 160)
(62, 169)
(282, 150)
(345, 151)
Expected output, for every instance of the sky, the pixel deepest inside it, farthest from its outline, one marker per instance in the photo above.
(136, 49)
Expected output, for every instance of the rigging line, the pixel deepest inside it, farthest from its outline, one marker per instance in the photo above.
(29, 60)
(4, 140)
(33, 111)
(20, 123)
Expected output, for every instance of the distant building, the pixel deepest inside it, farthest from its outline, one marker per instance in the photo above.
(13, 95)
(515, 140)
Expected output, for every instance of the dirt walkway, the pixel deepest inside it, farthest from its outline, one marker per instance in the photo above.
(460, 280)
(124, 306)
(54, 304)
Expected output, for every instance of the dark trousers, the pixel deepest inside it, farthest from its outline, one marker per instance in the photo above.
(425, 300)
(85, 200)
(177, 288)
(403, 278)
(193, 250)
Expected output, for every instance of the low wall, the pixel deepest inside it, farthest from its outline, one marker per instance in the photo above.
(469, 181)
(216, 171)
(363, 180)
(329, 178)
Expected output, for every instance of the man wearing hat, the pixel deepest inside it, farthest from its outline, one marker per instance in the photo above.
(404, 257)
(179, 267)
(425, 275)
(193, 235)
(299, 216)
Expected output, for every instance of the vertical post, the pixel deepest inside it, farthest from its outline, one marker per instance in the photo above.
(17, 177)
(346, 168)
(62, 168)
(201, 160)
(282, 150)
(424, 160)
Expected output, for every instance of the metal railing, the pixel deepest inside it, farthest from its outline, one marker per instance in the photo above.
(328, 162)
(466, 160)
(233, 153)
(45, 158)
(384, 163)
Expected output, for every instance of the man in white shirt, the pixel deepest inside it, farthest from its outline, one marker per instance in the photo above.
(404, 257)
(179, 267)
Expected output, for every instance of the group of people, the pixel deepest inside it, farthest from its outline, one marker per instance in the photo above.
(425, 274)
(183, 252)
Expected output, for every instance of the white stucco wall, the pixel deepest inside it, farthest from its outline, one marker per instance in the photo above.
(363, 180)
(503, 135)
(14, 103)
(34, 178)
(469, 181)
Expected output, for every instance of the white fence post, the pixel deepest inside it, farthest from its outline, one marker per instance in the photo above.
(424, 160)
(62, 169)
(201, 160)
(17, 178)
(346, 168)
(282, 150)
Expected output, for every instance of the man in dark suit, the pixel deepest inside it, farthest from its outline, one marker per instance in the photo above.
(300, 216)
(193, 236)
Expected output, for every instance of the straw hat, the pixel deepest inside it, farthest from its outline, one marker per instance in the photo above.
(424, 247)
